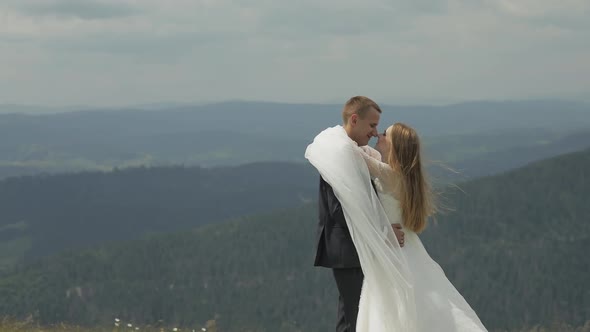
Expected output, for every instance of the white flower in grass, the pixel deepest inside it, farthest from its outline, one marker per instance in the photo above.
(175, 329)
(129, 325)
(203, 329)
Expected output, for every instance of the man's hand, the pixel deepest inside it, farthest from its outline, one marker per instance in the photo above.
(397, 229)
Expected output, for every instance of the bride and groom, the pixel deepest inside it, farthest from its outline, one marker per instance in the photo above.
(373, 203)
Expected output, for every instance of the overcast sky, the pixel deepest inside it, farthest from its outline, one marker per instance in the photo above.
(122, 52)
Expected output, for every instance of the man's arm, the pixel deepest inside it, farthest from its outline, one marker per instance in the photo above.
(332, 204)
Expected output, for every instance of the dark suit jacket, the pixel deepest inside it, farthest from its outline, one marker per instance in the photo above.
(335, 248)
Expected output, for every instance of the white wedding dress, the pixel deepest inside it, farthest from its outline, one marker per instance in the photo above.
(404, 289)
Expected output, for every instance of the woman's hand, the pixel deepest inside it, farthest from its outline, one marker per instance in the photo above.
(399, 233)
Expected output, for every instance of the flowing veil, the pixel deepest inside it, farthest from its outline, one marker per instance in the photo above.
(388, 281)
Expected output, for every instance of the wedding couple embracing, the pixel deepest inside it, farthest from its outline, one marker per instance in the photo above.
(373, 203)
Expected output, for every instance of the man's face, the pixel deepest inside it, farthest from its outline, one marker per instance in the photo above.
(363, 129)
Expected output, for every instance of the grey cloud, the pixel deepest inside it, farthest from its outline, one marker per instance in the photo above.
(305, 22)
(87, 9)
(295, 20)
(144, 46)
(574, 18)
(574, 23)
(422, 6)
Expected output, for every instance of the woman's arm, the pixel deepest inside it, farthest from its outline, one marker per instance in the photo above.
(377, 168)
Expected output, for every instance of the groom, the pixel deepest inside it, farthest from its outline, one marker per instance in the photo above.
(335, 248)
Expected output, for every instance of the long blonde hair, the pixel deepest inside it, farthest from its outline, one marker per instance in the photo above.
(415, 195)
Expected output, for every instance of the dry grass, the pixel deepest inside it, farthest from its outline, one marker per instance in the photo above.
(7, 325)
(557, 327)
(12, 326)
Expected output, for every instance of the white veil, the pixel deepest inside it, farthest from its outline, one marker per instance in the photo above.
(388, 280)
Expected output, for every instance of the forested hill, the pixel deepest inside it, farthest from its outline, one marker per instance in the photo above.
(40, 215)
(515, 247)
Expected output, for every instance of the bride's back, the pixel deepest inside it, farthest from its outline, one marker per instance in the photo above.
(387, 196)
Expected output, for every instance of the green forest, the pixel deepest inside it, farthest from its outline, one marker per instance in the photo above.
(514, 245)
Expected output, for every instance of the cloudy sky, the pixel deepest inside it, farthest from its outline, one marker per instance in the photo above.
(120, 52)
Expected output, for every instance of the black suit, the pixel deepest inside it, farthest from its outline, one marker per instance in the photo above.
(336, 250)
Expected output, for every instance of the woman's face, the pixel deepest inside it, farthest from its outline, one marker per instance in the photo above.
(383, 143)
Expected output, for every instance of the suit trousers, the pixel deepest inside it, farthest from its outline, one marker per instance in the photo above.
(349, 282)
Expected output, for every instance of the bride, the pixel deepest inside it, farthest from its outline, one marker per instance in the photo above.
(403, 289)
